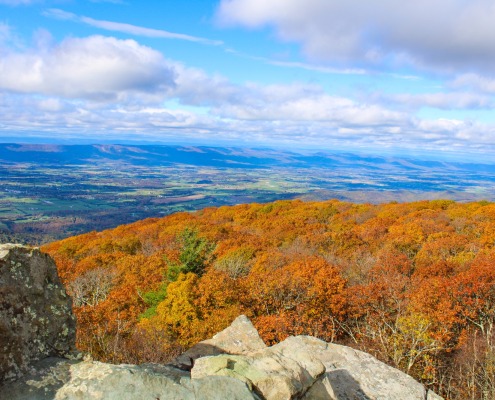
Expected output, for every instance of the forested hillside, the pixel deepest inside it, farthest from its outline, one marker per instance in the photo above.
(411, 283)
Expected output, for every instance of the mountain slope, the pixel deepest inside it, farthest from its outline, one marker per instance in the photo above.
(410, 283)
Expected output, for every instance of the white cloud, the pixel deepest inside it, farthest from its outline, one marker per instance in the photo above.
(289, 102)
(52, 87)
(317, 68)
(441, 100)
(142, 31)
(300, 65)
(475, 82)
(300, 102)
(5, 33)
(195, 87)
(444, 35)
(127, 28)
(341, 123)
(96, 67)
(57, 13)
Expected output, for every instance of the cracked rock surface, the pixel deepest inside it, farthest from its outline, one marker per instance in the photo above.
(36, 319)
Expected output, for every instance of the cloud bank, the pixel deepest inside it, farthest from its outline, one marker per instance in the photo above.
(115, 88)
(444, 36)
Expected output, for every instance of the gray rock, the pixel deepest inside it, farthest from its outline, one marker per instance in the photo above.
(271, 372)
(433, 396)
(94, 380)
(41, 382)
(352, 374)
(36, 319)
(62, 379)
(241, 337)
(308, 368)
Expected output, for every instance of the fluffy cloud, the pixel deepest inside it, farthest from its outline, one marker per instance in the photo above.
(444, 35)
(118, 88)
(341, 123)
(307, 103)
(96, 67)
(289, 102)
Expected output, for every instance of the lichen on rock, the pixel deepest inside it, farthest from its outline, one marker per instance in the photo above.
(36, 319)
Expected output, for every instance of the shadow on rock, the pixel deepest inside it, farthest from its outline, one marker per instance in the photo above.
(337, 384)
(42, 382)
(186, 360)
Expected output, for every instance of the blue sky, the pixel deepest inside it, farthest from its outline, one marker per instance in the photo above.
(379, 76)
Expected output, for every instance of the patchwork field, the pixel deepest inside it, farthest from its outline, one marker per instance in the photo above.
(48, 193)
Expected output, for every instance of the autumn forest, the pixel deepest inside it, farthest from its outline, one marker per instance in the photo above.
(411, 283)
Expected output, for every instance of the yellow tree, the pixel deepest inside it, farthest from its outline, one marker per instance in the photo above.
(177, 315)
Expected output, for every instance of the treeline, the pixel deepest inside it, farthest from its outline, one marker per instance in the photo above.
(412, 283)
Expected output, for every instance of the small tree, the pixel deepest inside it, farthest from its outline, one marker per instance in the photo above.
(236, 263)
(92, 287)
(195, 252)
(153, 298)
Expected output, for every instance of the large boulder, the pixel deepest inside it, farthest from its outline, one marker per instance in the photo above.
(353, 374)
(36, 319)
(61, 379)
(241, 337)
(129, 382)
(268, 373)
(44, 379)
(309, 368)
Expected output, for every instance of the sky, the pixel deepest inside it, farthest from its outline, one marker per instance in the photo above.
(380, 76)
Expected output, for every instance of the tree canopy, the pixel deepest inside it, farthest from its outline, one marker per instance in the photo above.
(411, 283)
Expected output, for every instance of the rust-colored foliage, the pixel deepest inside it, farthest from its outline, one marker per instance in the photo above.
(306, 296)
(412, 283)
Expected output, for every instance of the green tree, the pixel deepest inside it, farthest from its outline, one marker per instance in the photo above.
(153, 298)
(195, 252)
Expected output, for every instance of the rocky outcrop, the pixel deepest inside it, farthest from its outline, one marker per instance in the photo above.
(41, 382)
(269, 373)
(304, 367)
(36, 323)
(36, 319)
(63, 379)
(241, 337)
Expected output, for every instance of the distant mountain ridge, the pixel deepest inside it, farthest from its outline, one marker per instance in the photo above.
(231, 157)
(51, 191)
